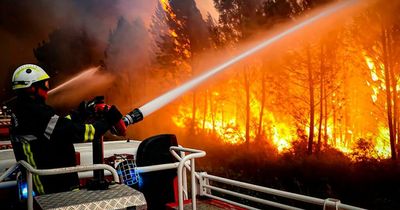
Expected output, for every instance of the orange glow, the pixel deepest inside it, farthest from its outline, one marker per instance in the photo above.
(182, 44)
(223, 121)
(371, 66)
(382, 143)
(222, 114)
(226, 125)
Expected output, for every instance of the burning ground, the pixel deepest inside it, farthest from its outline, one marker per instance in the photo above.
(324, 98)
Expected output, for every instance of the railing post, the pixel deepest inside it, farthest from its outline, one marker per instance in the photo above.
(202, 182)
(30, 189)
(193, 179)
(182, 163)
(184, 179)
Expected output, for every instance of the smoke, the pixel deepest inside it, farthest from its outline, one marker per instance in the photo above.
(24, 24)
(79, 87)
(128, 58)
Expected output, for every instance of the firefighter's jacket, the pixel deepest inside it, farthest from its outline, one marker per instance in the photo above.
(45, 140)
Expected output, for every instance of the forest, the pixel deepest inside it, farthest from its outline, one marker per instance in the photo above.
(316, 113)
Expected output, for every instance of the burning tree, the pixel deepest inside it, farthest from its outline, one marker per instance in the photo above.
(378, 34)
(178, 42)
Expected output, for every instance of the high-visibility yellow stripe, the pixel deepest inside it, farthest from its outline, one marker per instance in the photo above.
(86, 138)
(68, 117)
(29, 156)
(20, 86)
(91, 134)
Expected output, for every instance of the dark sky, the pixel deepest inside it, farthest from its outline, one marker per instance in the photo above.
(25, 23)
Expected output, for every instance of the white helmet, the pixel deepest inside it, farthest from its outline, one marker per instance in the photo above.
(25, 75)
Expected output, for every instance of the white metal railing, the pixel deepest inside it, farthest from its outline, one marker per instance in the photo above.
(9, 171)
(205, 188)
(194, 153)
(44, 172)
(204, 185)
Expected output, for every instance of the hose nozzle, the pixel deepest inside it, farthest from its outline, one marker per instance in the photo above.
(133, 117)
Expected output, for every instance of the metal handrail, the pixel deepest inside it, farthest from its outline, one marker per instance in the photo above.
(9, 171)
(45, 172)
(307, 199)
(204, 178)
(194, 154)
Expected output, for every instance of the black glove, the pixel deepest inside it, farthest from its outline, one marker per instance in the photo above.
(82, 113)
(112, 115)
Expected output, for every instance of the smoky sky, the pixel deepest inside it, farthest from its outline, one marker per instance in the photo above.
(24, 24)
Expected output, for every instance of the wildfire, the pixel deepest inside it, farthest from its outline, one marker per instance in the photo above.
(229, 127)
(221, 116)
(375, 78)
(167, 8)
(223, 121)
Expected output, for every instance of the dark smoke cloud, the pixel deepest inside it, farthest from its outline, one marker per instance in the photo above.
(25, 23)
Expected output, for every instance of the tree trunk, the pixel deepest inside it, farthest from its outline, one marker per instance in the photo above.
(334, 125)
(326, 117)
(247, 90)
(388, 95)
(321, 98)
(205, 110)
(260, 117)
(311, 92)
(193, 126)
(393, 80)
(212, 111)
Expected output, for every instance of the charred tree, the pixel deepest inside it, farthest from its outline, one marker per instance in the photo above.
(263, 92)
(205, 109)
(179, 42)
(381, 44)
(312, 107)
(247, 95)
(321, 98)
(390, 111)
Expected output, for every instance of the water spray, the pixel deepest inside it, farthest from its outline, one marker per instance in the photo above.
(157, 103)
(87, 73)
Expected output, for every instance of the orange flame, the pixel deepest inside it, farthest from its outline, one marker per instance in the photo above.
(225, 123)
(182, 45)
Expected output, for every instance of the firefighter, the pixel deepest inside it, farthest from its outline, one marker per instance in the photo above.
(44, 139)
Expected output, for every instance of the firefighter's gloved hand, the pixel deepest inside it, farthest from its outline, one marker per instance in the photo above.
(83, 112)
(112, 115)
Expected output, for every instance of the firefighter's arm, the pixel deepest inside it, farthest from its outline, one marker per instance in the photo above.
(69, 130)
